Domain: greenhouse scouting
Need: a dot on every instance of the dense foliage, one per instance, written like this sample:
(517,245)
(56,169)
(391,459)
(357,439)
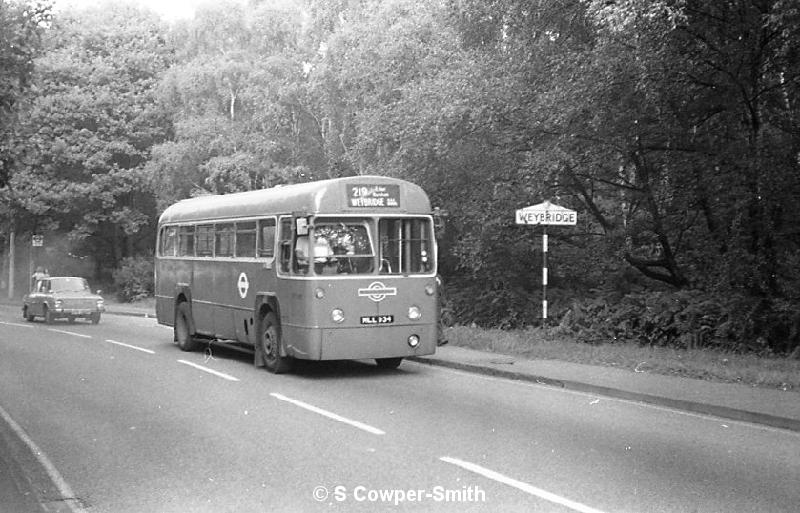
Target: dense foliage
(133,279)
(671,126)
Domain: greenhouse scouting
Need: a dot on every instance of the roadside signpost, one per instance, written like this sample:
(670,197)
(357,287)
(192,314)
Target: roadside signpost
(546,214)
(37,241)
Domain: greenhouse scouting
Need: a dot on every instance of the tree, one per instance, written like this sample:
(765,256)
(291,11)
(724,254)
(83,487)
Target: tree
(21,28)
(236,99)
(91,126)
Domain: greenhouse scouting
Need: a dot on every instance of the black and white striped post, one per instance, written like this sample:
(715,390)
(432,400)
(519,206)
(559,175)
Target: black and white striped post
(546,214)
(544,276)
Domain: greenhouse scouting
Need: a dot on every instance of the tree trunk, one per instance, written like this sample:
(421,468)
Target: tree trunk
(11,257)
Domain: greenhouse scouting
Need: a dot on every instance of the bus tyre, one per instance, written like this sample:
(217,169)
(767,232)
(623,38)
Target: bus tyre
(48,316)
(270,345)
(95,318)
(388,363)
(183,335)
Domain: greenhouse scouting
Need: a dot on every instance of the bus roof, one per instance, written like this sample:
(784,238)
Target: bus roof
(368,194)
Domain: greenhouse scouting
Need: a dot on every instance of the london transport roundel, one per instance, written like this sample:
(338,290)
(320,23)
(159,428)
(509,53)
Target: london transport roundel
(243,285)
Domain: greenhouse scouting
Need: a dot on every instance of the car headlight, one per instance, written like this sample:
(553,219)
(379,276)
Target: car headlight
(414,313)
(57,304)
(100,304)
(337,314)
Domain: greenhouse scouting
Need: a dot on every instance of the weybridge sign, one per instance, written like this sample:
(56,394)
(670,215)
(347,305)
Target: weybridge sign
(547,214)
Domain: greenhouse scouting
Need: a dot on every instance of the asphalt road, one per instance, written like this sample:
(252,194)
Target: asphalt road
(132,424)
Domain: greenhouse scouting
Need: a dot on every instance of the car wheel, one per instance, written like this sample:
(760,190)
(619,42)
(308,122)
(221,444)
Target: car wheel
(28,317)
(95,318)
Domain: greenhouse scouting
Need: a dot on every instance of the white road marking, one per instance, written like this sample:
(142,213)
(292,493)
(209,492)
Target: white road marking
(16,324)
(70,333)
(525,487)
(330,415)
(65,491)
(210,371)
(123,344)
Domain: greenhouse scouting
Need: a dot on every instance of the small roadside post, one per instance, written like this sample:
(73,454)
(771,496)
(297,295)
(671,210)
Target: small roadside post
(546,214)
(37,241)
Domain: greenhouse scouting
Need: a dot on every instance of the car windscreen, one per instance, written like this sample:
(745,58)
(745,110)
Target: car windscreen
(68,285)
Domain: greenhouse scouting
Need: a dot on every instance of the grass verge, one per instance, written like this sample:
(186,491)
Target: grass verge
(707,364)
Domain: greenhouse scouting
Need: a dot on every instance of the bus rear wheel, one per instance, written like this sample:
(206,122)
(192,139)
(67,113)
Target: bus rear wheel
(183,335)
(388,363)
(270,341)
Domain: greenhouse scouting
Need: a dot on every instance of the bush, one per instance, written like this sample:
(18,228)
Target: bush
(688,319)
(133,279)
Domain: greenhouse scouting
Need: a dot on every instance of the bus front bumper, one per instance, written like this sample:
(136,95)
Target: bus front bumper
(348,343)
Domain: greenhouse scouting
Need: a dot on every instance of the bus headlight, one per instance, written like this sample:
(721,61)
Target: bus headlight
(319,293)
(414,313)
(337,314)
(430,289)
(57,305)
(413,340)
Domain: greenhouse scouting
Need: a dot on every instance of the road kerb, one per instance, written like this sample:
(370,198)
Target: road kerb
(578,386)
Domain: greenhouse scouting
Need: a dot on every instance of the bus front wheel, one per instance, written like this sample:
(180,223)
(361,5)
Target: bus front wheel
(388,363)
(183,335)
(270,341)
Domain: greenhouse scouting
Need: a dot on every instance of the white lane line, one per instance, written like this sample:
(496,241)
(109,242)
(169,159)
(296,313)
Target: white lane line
(70,333)
(330,415)
(210,371)
(16,324)
(64,490)
(525,487)
(123,344)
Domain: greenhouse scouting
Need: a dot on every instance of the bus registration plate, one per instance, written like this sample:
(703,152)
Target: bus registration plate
(377,319)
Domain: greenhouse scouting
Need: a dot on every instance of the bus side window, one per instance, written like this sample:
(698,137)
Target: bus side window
(285,243)
(223,240)
(186,241)
(168,236)
(246,239)
(204,240)
(266,240)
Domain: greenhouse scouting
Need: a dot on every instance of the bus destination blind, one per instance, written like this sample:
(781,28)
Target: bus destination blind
(373,196)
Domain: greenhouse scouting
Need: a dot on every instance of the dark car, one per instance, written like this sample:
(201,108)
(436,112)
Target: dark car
(62,297)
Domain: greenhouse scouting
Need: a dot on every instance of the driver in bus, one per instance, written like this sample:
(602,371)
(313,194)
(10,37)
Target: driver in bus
(323,253)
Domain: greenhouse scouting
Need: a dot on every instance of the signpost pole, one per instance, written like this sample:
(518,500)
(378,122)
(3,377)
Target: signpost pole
(544,276)
(544,214)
